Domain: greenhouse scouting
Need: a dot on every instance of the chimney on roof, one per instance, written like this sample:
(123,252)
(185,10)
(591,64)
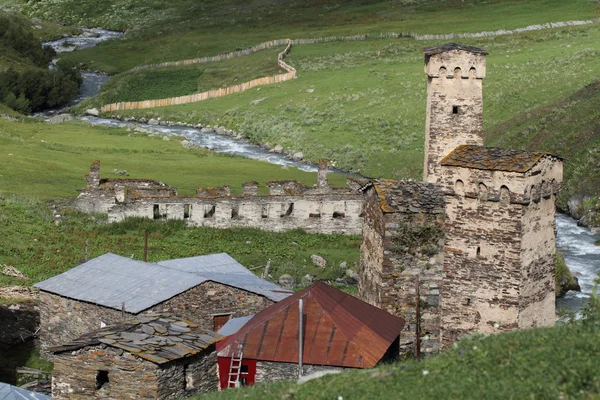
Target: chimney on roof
(322,181)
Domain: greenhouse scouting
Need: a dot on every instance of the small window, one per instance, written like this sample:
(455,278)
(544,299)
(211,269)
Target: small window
(288,211)
(209,211)
(156,211)
(265,211)
(455,109)
(478,251)
(102,380)
(235,212)
(244,369)
(339,215)
(220,320)
(187,211)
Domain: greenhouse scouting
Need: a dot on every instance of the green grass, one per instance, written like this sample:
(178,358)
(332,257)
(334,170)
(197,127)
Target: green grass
(169,31)
(40,249)
(47,161)
(171,82)
(544,363)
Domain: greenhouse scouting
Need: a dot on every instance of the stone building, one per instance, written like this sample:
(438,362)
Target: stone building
(289,204)
(339,331)
(478,240)
(110,288)
(402,248)
(149,357)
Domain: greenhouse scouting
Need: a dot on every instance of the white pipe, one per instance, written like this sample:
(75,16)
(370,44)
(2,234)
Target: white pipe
(300,347)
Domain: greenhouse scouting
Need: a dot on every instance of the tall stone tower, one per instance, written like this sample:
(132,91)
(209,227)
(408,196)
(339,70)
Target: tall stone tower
(454,102)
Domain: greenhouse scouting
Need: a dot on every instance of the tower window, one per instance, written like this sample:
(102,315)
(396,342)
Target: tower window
(455,109)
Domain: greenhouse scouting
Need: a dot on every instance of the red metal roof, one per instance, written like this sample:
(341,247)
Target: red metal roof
(339,330)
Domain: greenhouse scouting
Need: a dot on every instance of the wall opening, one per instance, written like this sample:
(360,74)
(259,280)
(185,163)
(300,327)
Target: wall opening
(478,253)
(265,211)
(288,211)
(339,215)
(156,212)
(314,215)
(455,109)
(235,212)
(102,380)
(187,211)
(209,211)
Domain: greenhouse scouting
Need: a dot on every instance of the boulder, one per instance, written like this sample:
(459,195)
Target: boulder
(153,121)
(307,280)
(343,265)
(299,156)
(351,276)
(93,112)
(207,130)
(277,149)
(318,261)
(286,281)
(60,118)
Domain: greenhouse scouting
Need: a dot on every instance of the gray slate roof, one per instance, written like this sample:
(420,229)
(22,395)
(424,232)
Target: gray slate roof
(110,280)
(234,325)
(9,392)
(223,269)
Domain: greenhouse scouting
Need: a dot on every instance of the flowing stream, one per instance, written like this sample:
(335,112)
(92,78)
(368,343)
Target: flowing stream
(576,243)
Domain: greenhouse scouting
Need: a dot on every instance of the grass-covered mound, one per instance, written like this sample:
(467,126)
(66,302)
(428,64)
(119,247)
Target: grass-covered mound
(35,245)
(544,363)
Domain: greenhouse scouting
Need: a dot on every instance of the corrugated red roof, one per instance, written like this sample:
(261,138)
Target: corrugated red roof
(339,330)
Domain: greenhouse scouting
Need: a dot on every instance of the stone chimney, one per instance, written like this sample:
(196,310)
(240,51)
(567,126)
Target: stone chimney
(322,174)
(250,188)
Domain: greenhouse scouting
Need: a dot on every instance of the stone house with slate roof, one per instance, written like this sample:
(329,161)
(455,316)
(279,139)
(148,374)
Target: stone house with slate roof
(339,332)
(108,289)
(477,240)
(148,357)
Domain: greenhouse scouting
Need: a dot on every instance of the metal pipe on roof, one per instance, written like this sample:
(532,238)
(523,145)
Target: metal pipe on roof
(300,350)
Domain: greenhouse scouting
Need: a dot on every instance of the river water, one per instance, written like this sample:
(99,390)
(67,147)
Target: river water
(576,243)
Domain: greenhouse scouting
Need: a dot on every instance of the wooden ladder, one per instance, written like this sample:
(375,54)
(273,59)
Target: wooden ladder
(235,368)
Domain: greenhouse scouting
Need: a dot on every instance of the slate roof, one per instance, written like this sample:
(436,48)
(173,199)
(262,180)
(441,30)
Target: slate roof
(340,330)
(9,392)
(408,196)
(110,280)
(493,158)
(430,51)
(157,338)
(234,325)
(222,268)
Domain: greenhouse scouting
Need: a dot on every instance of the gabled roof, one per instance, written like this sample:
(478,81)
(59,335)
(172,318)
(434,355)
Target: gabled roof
(10,392)
(408,196)
(157,338)
(493,158)
(430,51)
(222,268)
(339,330)
(110,280)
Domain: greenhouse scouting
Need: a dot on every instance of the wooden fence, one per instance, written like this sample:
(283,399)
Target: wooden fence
(290,71)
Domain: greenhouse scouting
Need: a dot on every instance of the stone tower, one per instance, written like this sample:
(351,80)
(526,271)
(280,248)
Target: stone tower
(454,102)
(499,255)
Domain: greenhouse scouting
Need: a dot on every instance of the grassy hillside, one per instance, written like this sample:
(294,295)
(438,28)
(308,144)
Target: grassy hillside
(47,161)
(32,243)
(543,363)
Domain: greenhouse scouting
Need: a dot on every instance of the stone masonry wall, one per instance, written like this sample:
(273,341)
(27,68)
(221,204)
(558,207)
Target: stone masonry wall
(130,377)
(405,244)
(63,319)
(189,376)
(332,213)
(267,371)
(454,106)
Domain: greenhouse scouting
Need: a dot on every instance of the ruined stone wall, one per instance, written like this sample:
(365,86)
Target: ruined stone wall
(267,371)
(63,319)
(189,376)
(454,106)
(480,290)
(331,213)
(398,248)
(130,377)
(538,247)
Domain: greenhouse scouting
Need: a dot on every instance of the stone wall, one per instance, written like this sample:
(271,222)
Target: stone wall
(130,377)
(401,247)
(63,319)
(189,376)
(454,105)
(331,213)
(267,371)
